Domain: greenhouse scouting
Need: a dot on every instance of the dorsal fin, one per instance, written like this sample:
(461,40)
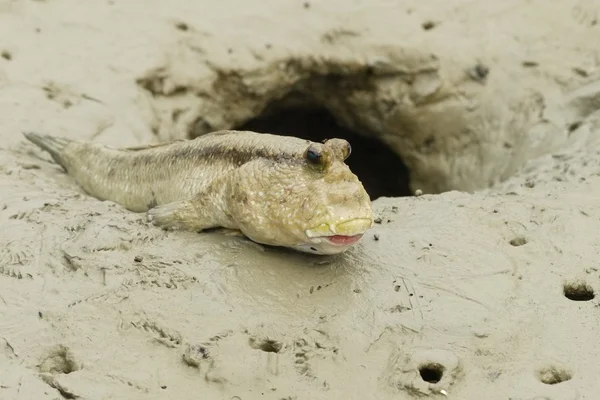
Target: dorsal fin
(152,145)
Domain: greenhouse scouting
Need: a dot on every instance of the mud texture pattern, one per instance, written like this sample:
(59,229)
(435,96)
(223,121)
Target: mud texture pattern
(486,286)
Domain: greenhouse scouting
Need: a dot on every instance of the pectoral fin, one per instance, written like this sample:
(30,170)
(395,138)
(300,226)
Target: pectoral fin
(169,216)
(204,210)
(195,214)
(182,215)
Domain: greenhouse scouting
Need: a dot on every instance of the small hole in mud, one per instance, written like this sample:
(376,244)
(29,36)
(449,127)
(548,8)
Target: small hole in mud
(552,375)
(578,291)
(518,241)
(428,25)
(182,26)
(574,126)
(270,346)
(59,360)
(266,345)
(431,372)
(382,172)
(479,72)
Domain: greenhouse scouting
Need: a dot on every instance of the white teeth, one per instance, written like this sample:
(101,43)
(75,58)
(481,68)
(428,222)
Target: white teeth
(332,229)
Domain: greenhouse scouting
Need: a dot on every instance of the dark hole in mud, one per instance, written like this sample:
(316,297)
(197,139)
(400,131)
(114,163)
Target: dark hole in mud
(431,372)
(518,241)
(270,346)
(552,375)
(428,25)
(578,291)
(382,172)
(59,360)
(266,345)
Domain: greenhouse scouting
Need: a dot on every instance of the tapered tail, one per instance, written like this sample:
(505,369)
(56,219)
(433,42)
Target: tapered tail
(51,144)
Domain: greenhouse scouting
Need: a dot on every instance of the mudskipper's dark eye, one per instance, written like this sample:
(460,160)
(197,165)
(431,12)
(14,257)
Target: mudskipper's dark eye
(313,156)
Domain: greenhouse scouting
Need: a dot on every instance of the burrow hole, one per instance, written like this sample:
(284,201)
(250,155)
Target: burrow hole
(518,241)
(578,291)
(382,172)
(431,372)
(552,375)
(266,345)
(59,360)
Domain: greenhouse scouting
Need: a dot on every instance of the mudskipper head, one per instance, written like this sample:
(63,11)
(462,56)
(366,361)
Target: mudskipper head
(334,210)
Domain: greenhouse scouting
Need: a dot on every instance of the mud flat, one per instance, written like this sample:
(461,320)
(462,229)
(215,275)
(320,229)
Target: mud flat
(486,286)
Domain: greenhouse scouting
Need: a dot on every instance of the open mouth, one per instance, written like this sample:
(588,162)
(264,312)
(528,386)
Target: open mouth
(342,240)
(342,234)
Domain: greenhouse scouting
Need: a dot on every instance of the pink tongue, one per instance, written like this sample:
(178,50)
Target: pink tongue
(341,239)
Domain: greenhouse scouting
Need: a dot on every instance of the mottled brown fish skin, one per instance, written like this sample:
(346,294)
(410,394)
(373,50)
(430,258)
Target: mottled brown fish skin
(264,185)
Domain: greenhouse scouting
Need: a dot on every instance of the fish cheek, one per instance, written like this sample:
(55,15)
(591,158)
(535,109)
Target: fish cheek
(250,201)
(314,210)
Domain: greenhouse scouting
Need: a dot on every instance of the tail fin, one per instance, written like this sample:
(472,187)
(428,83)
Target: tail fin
(51,144)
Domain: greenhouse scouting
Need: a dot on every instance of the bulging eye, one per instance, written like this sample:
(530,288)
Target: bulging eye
(347,150)
(313,155)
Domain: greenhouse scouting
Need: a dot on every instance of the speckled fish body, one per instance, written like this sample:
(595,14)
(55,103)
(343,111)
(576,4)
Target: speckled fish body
(277,190)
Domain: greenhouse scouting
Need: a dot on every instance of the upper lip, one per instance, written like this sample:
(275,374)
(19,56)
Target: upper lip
(326,230)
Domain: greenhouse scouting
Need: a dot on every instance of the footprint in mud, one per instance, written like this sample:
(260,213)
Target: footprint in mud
(160,334)
(17,252)
(219,358)
(265,356)
(313,346)
(196,355)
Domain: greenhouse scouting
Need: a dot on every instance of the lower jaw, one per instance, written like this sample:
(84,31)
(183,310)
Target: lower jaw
(341,240)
